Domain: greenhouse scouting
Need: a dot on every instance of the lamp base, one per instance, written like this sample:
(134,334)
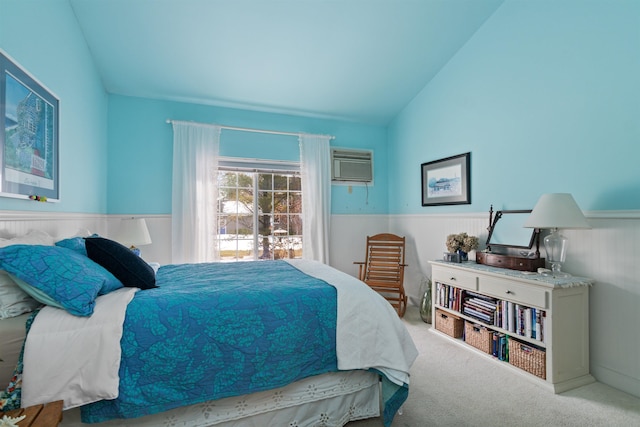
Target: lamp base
(555,271)
(555,244)
(559,275)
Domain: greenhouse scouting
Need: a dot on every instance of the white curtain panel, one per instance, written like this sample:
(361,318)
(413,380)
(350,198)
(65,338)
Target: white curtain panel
(195,191)
(315,170)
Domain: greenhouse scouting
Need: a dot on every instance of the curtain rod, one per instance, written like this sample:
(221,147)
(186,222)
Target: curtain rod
(243,129)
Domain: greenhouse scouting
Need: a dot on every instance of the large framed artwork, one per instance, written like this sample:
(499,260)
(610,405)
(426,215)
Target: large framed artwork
(447,181)
(29,138)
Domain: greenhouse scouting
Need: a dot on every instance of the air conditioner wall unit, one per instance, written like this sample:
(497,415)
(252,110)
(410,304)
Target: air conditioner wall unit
(351,165)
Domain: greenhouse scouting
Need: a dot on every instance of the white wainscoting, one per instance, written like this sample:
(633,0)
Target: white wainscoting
(60,225)
(348,239)
(348,232)
(426,236)
(608,253)
(160,231)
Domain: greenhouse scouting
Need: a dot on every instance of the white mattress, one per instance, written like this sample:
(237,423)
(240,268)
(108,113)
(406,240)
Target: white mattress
(12,333)
(329,400)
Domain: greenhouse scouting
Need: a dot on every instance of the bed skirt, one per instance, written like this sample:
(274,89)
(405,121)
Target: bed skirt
(328,400)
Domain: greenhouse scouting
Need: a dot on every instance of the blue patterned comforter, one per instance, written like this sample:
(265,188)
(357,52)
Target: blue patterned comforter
(203,334)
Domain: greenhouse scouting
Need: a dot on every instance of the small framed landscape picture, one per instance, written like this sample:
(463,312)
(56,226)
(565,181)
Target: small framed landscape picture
(29,137)
(447,181)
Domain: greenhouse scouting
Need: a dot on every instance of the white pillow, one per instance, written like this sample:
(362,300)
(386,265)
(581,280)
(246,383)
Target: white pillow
(13,300)
(35,237)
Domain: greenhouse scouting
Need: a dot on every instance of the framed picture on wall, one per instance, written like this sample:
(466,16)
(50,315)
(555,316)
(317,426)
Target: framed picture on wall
(447,181)
(29,138)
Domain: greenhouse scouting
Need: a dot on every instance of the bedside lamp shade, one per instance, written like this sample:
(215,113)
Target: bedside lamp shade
(134,232)
(554,211)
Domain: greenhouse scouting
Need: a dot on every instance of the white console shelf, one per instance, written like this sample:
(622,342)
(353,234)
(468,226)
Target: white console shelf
(565,302)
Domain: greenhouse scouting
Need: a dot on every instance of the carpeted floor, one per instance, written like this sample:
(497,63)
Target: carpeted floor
(451,386)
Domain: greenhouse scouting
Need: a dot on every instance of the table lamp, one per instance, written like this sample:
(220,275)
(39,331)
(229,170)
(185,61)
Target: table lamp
(134,232)
(554,211)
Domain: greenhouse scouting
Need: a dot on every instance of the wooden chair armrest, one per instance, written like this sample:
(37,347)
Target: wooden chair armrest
(360,265)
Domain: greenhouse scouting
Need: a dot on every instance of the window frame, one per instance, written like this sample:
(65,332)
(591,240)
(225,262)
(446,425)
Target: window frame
(256,167)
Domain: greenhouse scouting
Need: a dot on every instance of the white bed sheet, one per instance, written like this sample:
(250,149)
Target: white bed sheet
(75,359)
(375,336)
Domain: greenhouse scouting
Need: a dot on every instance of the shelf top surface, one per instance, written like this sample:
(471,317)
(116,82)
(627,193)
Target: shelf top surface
(550,281)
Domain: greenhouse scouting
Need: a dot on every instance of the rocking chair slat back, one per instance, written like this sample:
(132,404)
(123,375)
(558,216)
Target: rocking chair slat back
(383,269)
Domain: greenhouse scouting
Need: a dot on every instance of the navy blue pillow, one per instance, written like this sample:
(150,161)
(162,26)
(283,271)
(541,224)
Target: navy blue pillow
(128,267)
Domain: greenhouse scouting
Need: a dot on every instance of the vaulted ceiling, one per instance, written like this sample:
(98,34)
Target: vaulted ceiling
(361,60)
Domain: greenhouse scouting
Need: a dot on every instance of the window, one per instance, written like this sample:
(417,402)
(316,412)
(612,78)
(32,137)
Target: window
(259,214)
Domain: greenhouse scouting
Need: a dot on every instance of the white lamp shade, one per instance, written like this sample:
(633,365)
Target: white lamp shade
(556,210)
(134,232)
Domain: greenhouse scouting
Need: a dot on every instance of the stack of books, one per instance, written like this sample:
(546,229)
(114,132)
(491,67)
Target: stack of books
(480,307)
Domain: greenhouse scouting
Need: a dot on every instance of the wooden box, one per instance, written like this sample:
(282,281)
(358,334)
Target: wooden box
(510,262)
(448,323)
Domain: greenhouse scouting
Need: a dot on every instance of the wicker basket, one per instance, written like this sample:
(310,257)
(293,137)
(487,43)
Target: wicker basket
(528,358)
(449,323)
(478,336)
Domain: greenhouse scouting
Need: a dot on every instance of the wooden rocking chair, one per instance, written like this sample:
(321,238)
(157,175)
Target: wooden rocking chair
(383,269)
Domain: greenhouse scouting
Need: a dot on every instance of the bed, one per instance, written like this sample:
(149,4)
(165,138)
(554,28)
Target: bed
(260,343)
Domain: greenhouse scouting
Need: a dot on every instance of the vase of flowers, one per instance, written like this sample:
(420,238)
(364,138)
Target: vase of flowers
(461,244)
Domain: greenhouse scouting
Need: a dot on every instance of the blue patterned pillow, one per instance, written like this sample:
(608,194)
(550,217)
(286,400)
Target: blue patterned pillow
(73,243)
(61,275)
(77,244)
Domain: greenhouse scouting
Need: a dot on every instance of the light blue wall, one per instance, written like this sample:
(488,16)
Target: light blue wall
(115,151)
(546,96)
(140,151)
(44,38)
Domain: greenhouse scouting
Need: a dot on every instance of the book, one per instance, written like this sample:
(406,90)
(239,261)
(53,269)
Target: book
(528,330)
(511,317)
(502,347)
(480,307)
(469,311)
(481,296)
(534,314)
(481,301)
